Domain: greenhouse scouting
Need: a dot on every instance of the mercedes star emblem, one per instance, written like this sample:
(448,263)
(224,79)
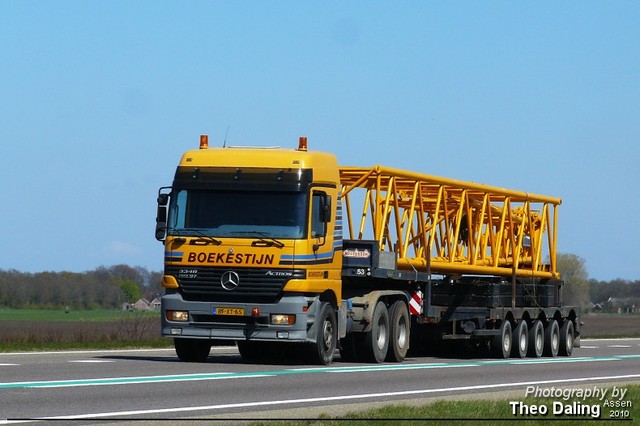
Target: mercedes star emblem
(229,280)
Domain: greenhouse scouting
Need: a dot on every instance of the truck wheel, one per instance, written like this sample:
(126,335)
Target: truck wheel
(326,335)
(192,350)
(400,326)
(566,338)
(376,340)
(551,339)
(536,339)
(502,342)
(520,340)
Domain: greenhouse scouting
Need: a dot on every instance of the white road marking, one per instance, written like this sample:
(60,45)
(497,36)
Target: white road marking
(619,346)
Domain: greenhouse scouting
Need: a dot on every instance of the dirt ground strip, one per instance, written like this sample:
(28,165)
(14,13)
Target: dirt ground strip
(610,325)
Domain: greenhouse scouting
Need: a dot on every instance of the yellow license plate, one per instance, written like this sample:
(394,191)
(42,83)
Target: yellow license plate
(228,311)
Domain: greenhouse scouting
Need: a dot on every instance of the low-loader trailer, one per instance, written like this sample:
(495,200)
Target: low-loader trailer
(276,248)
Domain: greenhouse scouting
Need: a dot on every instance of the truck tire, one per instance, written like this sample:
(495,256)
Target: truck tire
(400,329)
(536,339)
(192,350)
(551,338)
(566,338)
(503,341)
(520,340)
(326,335)
(376,340)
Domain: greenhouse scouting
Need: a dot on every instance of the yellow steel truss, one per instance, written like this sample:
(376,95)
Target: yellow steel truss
(448,226)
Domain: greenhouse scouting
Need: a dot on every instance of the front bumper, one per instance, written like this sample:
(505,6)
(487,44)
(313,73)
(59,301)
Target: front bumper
(204,325)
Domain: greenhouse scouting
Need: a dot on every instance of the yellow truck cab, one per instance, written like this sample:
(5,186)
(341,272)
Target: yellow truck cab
(252,242)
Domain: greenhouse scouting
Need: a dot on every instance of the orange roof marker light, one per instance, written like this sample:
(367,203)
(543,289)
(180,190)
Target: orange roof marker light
(302,145)
(204,142)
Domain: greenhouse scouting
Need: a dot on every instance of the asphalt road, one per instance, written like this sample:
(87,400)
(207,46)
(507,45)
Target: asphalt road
(153,384)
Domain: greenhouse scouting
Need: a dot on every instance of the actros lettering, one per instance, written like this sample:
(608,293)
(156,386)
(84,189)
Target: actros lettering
(231,258)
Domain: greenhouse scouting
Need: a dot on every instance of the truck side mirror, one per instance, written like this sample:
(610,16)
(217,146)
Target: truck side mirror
(161,223)
(161,215)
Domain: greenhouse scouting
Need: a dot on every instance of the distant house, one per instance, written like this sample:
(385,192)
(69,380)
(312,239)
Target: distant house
(141,305)
(155,304)
(625,305)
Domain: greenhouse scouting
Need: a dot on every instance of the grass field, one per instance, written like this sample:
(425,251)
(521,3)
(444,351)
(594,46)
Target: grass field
(71,315)
(38,329)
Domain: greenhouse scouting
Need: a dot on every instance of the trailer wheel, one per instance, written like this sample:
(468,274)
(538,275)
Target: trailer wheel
(376,340)
(502,342)
(566,338)
(326,335)
(536,339)
(400,326)
(192,350)
(520,340)
(551,339)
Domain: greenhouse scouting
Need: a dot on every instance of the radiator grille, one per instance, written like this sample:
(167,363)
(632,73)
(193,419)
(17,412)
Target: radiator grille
(255,285)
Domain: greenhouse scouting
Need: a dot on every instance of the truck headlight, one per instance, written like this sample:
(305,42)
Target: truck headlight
(182,316)
(281,319)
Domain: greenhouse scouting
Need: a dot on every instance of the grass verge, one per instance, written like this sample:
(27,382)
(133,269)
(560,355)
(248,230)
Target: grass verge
(496,412)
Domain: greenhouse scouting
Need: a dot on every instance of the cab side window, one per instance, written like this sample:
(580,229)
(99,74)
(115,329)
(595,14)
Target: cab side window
(320,212)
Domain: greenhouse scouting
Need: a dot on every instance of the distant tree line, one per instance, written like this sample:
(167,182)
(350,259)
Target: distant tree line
(601,291)
(104,287)
(615,296)
(110,287)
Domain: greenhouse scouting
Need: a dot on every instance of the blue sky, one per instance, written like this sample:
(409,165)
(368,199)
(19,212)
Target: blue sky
(100,98)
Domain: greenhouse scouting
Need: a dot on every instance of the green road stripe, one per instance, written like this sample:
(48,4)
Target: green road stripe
(355,369)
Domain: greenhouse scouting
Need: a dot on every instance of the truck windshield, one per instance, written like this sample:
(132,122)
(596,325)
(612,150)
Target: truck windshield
(238,214)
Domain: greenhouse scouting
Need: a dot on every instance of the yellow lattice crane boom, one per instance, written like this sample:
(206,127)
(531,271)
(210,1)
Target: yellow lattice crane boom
(447,226)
